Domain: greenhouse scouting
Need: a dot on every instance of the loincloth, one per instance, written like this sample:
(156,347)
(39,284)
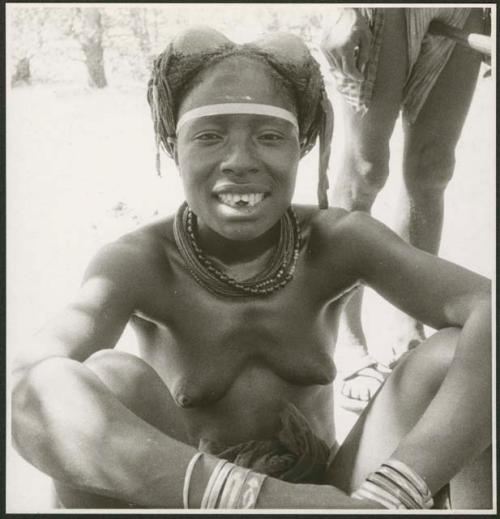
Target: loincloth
(427,56)
(297,455)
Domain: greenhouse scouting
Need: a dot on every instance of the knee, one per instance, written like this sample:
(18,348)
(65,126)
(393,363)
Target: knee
(32,397)
(126,375)
(367,171)
(439,350)
(108,364)
(429,167)
(36,389)
(428,364)
(138,387)
(373,170)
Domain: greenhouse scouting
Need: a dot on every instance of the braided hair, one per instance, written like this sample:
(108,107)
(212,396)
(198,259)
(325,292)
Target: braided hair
(177,68)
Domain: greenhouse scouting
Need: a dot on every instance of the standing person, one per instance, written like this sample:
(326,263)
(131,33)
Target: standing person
(235,300)
(384,61)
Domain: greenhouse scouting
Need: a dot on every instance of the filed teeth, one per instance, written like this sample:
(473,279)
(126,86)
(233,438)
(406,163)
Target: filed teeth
(237,200)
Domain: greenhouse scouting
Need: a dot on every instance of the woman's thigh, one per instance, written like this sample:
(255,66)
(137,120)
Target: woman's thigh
(137,386)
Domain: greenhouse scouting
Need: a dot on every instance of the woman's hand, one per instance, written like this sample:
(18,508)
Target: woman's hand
(346,43)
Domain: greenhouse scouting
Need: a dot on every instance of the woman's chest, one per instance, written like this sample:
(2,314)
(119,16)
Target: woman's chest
(202,344)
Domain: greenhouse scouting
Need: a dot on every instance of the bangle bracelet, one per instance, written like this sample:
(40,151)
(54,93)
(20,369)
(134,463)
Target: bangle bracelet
(250,490)
(402,483)
(219,481)
(390,486)
(187,479)
(233,487)
(211,482)
(412,477)
(368,490)
(397,486)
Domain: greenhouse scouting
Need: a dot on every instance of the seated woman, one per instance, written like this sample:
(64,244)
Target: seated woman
(235,301)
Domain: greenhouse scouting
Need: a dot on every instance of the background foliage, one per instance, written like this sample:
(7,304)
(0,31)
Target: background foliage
(114,44)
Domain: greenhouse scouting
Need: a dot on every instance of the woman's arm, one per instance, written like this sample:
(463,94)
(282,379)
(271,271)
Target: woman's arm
(65,421)
(457,424)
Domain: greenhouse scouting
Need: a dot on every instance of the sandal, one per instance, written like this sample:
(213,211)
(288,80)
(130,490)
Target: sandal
(364,367)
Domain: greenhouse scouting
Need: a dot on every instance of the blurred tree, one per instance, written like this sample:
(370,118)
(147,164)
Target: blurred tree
(116,43)
(88,30)
(28,24)
(22,72)
(141,29)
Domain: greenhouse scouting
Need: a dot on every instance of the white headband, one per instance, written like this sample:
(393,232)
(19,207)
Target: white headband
(237,108)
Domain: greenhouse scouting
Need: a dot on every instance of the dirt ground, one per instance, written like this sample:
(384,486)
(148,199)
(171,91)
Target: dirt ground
(80,171)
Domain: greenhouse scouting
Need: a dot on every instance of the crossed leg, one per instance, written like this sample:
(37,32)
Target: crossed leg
(392,414)
(395,410)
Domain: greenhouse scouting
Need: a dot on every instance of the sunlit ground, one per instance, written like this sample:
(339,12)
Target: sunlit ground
(81,172)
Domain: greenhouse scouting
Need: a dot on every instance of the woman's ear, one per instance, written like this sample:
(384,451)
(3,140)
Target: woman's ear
(172,142)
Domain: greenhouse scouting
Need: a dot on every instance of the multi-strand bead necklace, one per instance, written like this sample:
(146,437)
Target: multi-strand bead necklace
(275,276)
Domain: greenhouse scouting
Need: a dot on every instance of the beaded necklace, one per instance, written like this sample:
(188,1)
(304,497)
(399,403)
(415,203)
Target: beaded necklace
(275,276)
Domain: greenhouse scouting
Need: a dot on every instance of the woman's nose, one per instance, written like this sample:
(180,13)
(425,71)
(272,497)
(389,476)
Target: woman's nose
(240,158)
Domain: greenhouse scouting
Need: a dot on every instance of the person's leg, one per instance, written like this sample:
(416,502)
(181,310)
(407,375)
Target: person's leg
(364,167)
(140,389)
(429,159)
(392,414)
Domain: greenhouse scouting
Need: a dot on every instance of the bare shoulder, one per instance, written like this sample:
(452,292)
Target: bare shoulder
(135,254)
(336,224)
(352,241)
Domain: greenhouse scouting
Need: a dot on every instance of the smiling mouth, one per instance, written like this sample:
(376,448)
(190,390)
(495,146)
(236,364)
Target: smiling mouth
(241,200)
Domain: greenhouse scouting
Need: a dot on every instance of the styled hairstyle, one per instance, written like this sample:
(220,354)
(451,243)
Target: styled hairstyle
(291,65)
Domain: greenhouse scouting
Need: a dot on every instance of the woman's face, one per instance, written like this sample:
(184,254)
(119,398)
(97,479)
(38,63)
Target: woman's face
(238,170)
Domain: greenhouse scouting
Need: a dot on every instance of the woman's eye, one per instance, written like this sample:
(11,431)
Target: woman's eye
(208,137)
(271,137)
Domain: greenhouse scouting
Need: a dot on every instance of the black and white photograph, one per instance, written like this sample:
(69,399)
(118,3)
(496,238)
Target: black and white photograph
(250,254)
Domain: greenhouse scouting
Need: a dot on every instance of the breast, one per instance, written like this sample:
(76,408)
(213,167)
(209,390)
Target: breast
(200,367)
(231,383)
(250,408)
(204,376)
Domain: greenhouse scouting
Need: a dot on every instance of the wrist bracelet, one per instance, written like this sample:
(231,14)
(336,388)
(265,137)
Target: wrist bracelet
(394,489)
(396,486)
(211,483)
(412,477)
(229,486)
(368,490)
(233,487)
(187,479)
(218,485)
(250,490)
(241,489)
